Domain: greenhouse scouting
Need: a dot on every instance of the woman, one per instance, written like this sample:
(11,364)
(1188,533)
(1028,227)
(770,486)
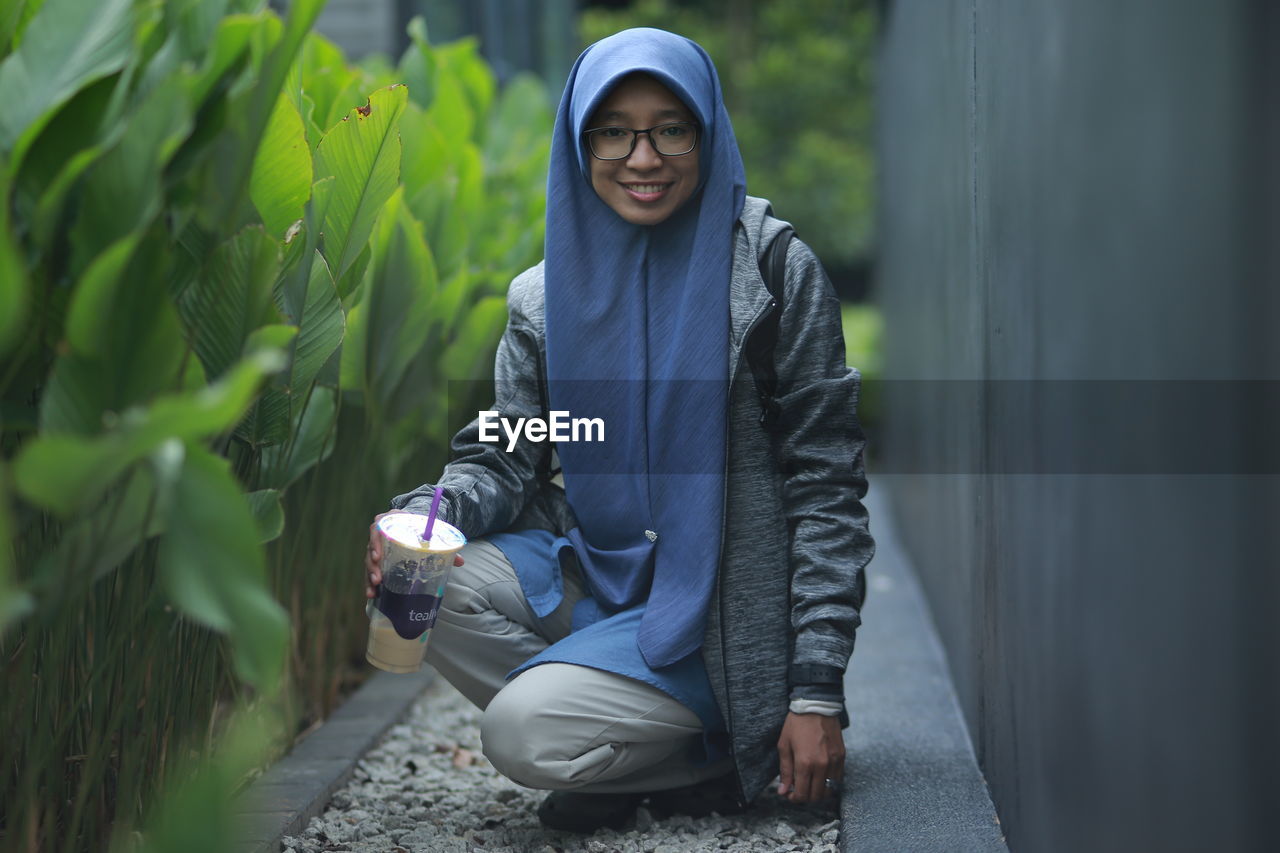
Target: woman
(674,622)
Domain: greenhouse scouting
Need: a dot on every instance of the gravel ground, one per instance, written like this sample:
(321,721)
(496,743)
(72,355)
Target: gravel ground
(426,787)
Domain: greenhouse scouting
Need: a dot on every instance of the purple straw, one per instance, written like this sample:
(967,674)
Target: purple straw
(431,518)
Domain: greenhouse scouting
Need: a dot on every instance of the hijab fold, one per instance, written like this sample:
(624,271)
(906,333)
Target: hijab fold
(637,334)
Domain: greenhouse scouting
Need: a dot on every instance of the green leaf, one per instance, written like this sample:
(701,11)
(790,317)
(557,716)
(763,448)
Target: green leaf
(311,441)
(323,74)
(453,237)
(198,812)
(98,541)
(401,287)
(519,121)
(251,119)
(230,42)
(49,208)
(321,326)
(466,357)
(13,277)
(351,370)
(89,316)
(425,163)
(231,298)
(122,191)
(136,345)
(267,512)
(472,73)
(69,44)
(270,337)
(363,153)
(418,64)
(211,564)
(281,181)
(450,111)
(63,473)
(268,420)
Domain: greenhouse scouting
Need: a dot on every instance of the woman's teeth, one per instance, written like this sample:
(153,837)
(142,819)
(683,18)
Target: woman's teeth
(646,188)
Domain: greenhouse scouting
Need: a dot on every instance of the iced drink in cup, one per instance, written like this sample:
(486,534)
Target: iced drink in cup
(414,574)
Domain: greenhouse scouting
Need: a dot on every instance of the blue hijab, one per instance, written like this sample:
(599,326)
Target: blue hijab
(637,334)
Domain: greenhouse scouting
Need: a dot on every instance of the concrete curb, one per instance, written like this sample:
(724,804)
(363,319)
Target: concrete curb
(912,782)
(297,788)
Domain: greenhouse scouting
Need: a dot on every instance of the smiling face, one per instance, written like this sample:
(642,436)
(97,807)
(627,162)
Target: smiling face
(645,188)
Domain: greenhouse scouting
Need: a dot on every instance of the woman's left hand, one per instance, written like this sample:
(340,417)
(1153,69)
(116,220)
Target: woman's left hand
(810,751)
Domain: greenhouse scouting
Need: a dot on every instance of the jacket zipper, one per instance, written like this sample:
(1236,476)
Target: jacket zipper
(724,525)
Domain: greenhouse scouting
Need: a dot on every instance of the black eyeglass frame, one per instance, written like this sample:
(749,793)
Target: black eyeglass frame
(635,137)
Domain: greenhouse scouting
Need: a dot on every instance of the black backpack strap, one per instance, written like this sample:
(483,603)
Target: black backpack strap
(763,339)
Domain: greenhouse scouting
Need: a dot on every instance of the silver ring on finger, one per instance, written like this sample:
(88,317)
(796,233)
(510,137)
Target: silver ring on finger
(832,783)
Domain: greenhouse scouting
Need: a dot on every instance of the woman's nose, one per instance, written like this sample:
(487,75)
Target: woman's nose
(644,155)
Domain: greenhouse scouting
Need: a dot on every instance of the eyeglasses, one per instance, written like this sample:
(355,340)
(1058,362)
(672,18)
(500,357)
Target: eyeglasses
(616,143)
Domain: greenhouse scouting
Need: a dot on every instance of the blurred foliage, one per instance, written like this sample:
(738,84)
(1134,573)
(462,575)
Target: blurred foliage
(863,327)
(236,273)
(797,83)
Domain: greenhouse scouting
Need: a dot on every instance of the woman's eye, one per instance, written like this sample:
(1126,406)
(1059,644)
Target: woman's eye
(612,132)
(675,130)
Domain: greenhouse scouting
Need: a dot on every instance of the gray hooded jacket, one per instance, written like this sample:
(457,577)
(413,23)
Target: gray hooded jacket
(796,537)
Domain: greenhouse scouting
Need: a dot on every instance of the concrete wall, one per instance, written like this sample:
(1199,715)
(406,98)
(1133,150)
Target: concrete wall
(1078,263)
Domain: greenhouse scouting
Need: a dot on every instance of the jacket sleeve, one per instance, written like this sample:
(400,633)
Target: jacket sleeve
(819,451)
(485,486)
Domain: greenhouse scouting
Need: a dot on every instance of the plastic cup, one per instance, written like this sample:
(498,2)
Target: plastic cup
(414,574)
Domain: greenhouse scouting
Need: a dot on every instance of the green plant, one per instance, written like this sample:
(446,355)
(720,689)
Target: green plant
(236,273)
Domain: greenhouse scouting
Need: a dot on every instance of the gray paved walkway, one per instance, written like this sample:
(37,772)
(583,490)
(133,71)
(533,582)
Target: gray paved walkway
(913,783)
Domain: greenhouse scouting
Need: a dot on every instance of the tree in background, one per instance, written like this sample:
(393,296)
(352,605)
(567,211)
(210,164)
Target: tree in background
(797,81)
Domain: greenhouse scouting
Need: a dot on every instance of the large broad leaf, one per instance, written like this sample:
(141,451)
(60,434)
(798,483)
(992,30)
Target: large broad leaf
(63,473)
(425,163)
(268,515)
(363,153)
(231,298)
(452,237)
(281,179)
(418,65)
(212,567)
(323,75)
(69,44)
(229,44)
(122,191)
(98,541)
(401,287)
(471,73)
(321,325)
(268,419)
(451,111)
(466,357)
(519,121)
(351,370)
(13,278)
(126,339)
(89,317)
(311,441)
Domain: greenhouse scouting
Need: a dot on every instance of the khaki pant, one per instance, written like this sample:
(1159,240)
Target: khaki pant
(555,725)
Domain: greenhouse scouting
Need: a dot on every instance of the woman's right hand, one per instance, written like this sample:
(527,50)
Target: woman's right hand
(373,559)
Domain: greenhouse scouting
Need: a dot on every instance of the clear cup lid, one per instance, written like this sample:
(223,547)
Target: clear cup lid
(405,528)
